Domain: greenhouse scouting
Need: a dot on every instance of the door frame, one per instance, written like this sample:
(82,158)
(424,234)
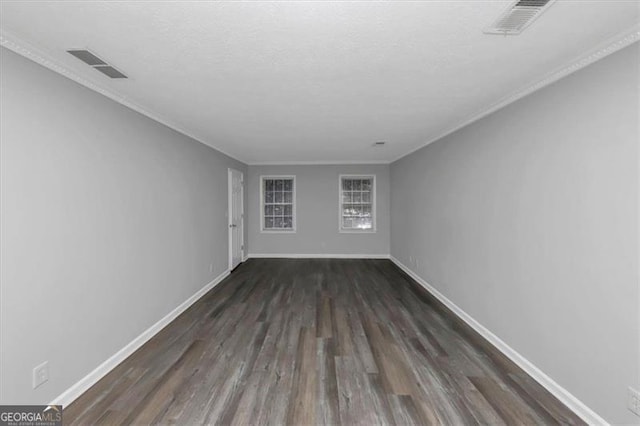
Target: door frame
(229,215)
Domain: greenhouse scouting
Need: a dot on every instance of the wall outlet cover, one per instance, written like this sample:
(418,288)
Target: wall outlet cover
(40,374)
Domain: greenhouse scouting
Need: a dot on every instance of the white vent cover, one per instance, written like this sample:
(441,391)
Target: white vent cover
(96,63)
(518,17)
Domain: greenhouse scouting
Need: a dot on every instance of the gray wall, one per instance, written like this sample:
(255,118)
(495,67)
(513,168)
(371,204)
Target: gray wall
(528,221)
(317,212)
(109,221)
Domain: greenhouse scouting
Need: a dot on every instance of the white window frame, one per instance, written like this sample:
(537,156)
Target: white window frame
(293,199)
(374,200)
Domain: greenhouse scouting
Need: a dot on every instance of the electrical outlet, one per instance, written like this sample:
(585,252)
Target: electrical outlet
(40,374)
(410,260)
(633,401)
(210,267)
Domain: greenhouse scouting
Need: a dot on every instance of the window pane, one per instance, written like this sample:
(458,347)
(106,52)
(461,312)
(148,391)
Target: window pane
(357,203)
(278,203)
(362,223)
(268,197)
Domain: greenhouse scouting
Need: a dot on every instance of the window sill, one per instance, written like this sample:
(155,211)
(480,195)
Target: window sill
(357,231)
(273,231)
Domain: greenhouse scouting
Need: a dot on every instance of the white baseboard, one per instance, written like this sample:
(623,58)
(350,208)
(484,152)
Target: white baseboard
(554,388)
(573,403)
(317,256)
(70,395)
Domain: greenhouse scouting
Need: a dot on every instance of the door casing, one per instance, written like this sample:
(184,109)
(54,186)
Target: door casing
(230,216)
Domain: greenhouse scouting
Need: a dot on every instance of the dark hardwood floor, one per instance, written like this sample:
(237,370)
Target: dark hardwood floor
(317,342)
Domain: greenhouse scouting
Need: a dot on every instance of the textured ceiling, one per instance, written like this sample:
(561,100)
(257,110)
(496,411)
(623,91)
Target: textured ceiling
(313,81)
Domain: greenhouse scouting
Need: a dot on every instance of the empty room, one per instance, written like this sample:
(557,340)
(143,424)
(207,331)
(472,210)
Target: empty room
(320,212)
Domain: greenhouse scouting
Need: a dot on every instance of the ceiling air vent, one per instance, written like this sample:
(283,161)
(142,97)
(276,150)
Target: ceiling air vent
(518,17)
(87,57)
(96,63)
(110,71)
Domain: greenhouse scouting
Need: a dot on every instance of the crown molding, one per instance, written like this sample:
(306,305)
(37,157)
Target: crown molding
(27,50)
(317,163)
(612,45)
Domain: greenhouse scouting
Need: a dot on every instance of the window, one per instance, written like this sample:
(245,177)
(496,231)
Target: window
(357,203)
(278,204)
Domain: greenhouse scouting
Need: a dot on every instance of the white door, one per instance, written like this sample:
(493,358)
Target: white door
(236,195)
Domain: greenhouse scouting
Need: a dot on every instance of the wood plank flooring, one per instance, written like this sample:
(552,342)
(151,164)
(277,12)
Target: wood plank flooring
(311,341)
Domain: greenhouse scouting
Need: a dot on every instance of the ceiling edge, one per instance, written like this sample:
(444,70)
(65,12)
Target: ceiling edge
(612,45)
(316,163)
(22,48)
